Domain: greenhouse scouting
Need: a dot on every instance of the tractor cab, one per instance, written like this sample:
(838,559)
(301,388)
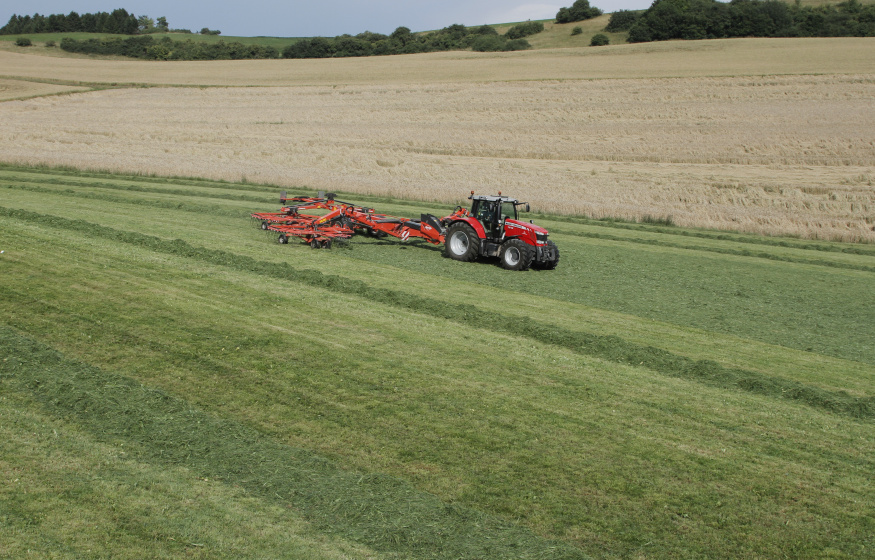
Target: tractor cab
(493,211)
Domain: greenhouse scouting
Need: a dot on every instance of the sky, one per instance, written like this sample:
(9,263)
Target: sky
(328,18)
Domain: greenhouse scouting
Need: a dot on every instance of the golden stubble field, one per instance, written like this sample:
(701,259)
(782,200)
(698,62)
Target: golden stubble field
(681,130)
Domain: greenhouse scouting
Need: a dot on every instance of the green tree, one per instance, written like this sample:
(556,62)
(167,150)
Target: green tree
(578,11)
(145,24)
(622,20)
(402,35)
(599,40)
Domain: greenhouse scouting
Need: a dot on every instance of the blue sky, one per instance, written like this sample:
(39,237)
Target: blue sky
(295,18)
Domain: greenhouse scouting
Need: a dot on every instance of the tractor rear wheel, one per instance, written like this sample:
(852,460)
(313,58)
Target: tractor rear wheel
(516,255)
(462,243)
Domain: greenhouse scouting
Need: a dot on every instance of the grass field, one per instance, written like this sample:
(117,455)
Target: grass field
(174,380)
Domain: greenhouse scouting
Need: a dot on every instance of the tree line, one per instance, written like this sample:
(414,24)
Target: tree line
(404,41)
(119,22)
(401,41)
(711,19)
(146,47)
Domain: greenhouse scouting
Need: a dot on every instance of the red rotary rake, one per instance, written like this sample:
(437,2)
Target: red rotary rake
(490,229)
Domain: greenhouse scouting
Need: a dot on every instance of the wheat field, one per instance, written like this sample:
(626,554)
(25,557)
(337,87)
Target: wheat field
(21,89)
(783,153)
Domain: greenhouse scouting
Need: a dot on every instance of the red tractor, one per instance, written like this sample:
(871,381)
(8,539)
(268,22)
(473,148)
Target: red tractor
(492,229)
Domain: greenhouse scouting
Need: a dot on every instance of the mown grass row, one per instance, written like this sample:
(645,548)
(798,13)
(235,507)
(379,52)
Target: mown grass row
(37,172)
(211,209)
(719,250)
(69,496)
(384,513)
(172,192)
(215,210)
(813,309)
(831,247)
(112,180)
(618,460)
(612,348)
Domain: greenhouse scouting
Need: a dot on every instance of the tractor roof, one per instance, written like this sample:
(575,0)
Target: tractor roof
(492,198)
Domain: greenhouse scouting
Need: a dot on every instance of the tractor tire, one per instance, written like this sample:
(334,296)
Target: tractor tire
(462,243)
(282,240)
(264,225)
(516,255)
(550,264)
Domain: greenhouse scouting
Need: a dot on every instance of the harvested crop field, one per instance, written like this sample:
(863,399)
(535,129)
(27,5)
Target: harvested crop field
(777,155)
(20,89)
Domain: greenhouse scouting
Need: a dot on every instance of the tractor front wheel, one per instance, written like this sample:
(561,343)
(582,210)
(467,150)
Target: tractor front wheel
(551,263)
(516,255)
(462,243)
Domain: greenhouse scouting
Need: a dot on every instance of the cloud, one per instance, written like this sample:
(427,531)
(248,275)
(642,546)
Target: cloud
(525,12)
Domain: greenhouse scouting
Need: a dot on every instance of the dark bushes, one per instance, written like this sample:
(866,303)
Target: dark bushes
(710,19)
(622,20)
(166,49)
(524,29)
(578,11)
(403,41)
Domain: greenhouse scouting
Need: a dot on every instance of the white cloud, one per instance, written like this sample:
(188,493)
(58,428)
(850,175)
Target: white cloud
(525,12)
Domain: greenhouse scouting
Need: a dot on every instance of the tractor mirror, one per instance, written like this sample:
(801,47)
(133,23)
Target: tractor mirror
(528,209)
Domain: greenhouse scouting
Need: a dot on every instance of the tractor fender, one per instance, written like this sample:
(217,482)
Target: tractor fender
(474,223)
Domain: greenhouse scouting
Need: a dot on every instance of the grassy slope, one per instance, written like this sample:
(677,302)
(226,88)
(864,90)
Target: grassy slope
(611,457)
(558,35)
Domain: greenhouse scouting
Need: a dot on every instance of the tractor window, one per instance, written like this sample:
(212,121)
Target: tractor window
(508,210)
(484,213)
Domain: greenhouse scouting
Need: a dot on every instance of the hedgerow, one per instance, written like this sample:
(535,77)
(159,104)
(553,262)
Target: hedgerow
(404,41)
(147,47)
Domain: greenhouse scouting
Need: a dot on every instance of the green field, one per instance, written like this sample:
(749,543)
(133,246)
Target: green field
(173,380)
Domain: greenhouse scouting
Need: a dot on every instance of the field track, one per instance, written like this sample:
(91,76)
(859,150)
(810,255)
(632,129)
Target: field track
(378,400)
